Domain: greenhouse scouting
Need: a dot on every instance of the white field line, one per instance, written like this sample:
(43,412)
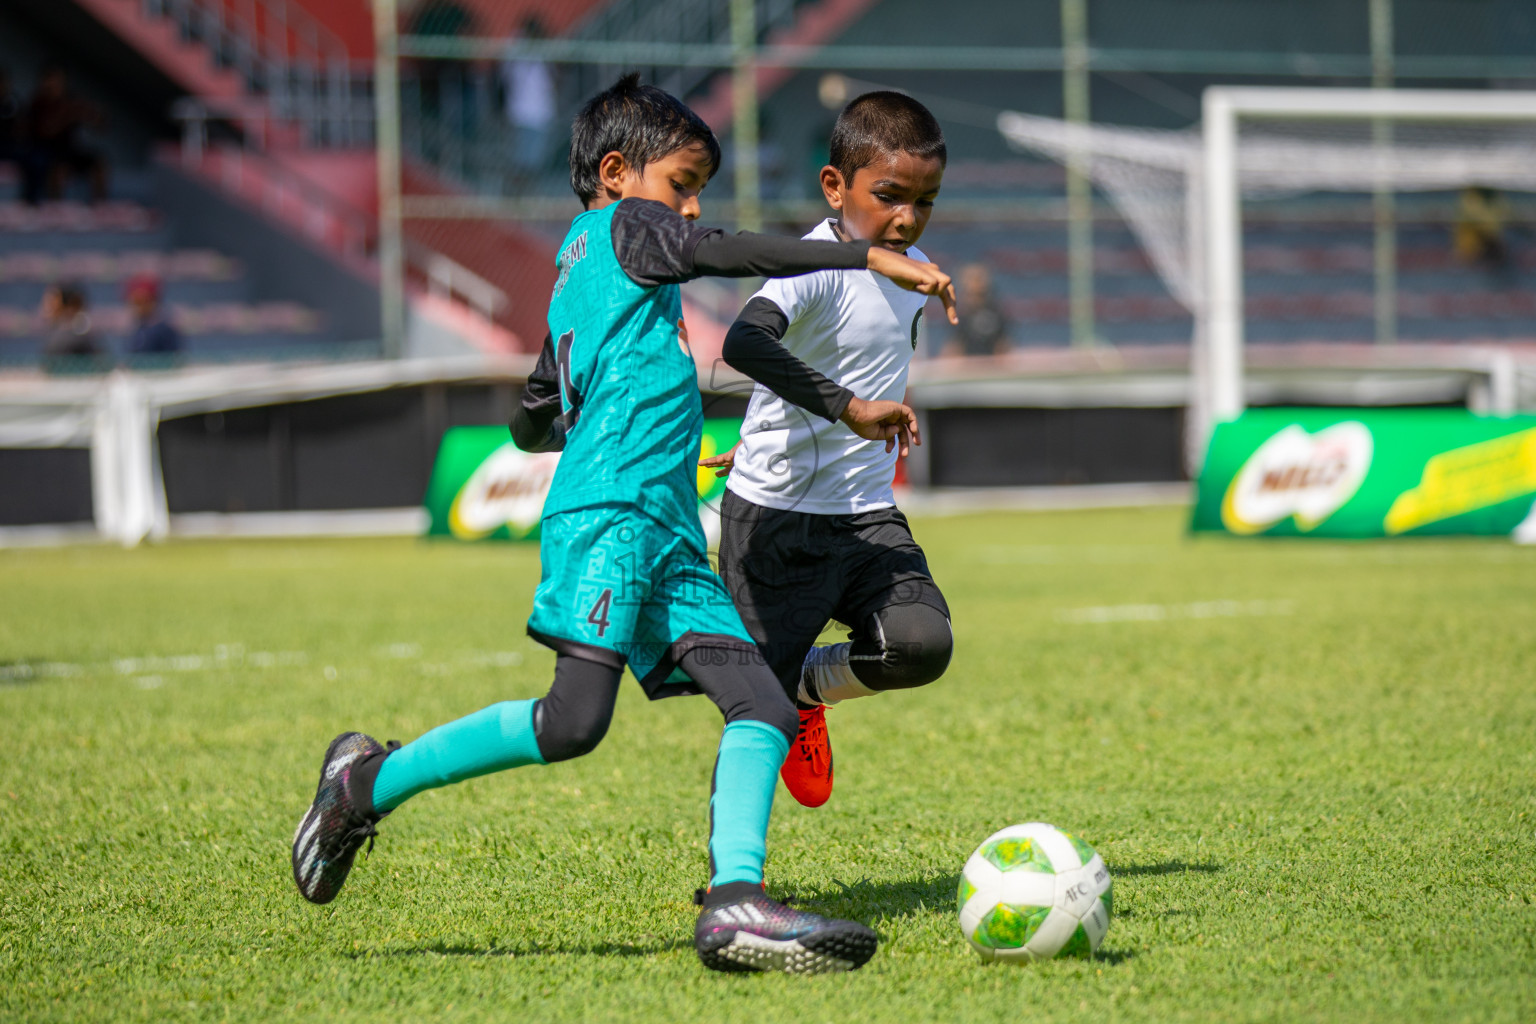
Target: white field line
(949,501)
(1100,614)
(25,672)
(1073,554)
(378,522)
(148,671)
(224,656)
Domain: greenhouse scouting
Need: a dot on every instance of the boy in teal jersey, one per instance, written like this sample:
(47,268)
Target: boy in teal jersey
(626,579)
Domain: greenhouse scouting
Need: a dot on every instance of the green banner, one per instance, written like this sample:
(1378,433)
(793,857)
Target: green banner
(1365,473)
(484,487)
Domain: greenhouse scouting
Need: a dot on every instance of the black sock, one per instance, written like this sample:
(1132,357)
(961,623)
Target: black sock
(360,783)
(730,892)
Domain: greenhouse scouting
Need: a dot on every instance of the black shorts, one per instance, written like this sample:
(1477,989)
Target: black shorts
(790,572)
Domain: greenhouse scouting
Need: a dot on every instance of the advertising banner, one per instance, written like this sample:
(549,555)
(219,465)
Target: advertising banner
(484,487)
(1369,473)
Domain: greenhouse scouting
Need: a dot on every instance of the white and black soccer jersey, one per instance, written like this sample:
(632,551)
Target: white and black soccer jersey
(856,328)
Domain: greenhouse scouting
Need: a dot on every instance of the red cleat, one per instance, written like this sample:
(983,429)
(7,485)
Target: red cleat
(807,771)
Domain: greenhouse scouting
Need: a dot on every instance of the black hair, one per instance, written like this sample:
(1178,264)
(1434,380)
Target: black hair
(881,123)
(639,121)
(71,295)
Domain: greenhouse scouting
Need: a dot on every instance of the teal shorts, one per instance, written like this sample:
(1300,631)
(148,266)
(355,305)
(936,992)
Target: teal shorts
(620,588)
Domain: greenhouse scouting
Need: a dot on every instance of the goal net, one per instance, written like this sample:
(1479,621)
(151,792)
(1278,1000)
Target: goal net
(1418,182)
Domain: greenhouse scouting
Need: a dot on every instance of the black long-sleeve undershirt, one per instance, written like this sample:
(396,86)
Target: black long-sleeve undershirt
(655,245)
(755,346)
(536,425)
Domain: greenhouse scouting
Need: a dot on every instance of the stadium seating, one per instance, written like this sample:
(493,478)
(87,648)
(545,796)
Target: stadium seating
(1305,281)
(100,248)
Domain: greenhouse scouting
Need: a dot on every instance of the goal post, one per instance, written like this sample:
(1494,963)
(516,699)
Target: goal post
(1218,392)
(1181,193)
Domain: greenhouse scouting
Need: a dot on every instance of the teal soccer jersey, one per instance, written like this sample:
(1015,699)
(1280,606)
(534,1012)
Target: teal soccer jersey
(625,564)
(629,390)
(626,576)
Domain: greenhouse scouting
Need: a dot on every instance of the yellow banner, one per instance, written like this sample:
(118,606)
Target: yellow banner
(1466,479)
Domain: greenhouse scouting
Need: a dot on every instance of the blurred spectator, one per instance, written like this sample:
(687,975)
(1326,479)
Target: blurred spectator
(14,148)
(983,329)
(11,151)
(439,18)
(529,86)
(1480,230)
(444,89)
(70,343)
(10,119)
(153,332)
(56,118)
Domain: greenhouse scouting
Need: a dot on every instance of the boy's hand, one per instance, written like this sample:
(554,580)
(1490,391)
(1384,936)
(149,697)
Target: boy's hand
(914,276)
(723,463)
(890,422)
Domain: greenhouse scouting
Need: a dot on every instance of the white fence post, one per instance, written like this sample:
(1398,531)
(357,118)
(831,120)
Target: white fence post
(127,491)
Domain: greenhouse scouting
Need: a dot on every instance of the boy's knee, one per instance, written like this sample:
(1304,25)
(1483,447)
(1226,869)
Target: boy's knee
(917,647)
(569,733)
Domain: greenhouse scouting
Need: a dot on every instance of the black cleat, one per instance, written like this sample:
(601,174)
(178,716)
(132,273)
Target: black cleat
(756,933)
(334,827)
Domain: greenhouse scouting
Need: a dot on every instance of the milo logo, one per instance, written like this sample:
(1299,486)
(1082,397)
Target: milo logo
(507,489)
(1294,473)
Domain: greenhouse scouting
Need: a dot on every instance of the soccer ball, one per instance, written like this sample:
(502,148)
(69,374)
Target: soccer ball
(1031,892)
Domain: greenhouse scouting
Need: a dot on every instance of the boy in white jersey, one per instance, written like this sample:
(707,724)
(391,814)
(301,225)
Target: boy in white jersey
(810,528)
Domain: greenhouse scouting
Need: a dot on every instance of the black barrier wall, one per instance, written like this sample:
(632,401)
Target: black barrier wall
(375,450)
(372,450)
(45,485)
(1016,447)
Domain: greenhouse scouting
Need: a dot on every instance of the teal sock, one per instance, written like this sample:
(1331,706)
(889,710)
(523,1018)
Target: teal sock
(490,740)
(746,771)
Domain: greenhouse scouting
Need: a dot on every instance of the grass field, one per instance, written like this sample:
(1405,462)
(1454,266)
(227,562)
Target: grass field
(1311,768)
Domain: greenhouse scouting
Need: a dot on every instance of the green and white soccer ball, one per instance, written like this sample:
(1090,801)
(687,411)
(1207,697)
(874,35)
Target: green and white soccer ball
(1032,892)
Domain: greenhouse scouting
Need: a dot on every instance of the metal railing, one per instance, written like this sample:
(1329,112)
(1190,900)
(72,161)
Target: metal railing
(245,171)
(449,279)
(301,69)
(253,36)
(684,23)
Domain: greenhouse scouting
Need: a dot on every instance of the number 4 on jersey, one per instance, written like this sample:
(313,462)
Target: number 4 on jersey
(598,616)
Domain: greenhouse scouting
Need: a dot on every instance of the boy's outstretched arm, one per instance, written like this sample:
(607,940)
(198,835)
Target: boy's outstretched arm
(536,425)
(656,245)
(754,346)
